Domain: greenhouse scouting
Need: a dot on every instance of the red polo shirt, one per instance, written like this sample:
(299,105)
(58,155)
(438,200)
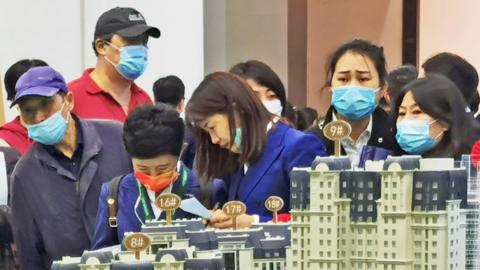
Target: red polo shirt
(16,135)
(93,102)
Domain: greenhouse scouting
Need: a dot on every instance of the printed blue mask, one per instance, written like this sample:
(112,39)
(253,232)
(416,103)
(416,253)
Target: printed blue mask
(51,130)
(133,61)
(237,141)
(413,136)
(354,102)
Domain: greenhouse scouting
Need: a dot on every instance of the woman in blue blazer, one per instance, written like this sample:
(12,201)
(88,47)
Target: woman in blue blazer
(153,136)
(242,143)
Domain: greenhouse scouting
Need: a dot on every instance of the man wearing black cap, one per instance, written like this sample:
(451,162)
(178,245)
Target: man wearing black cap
(120,44)
(56,184)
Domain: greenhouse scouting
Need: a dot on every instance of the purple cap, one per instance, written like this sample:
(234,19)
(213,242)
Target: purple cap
(39,81)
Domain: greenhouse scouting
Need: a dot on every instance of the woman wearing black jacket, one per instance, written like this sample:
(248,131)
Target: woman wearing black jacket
(356,76)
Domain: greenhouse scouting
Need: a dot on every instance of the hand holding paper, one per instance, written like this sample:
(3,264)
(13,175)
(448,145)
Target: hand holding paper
(193,206)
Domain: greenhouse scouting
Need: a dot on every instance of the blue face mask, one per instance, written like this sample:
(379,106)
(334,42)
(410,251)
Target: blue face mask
(50,131)
(413,136)
(237,141)
(354,102)
(273,106)
(133,61)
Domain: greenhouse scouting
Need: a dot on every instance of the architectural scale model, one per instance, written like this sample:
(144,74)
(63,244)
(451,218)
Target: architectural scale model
(405,213)
(186,245)
(473,216)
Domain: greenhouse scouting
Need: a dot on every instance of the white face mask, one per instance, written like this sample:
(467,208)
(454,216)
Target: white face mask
(273,106)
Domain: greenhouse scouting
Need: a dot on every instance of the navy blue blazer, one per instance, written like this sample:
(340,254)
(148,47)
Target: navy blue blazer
(130,214)
(286,148)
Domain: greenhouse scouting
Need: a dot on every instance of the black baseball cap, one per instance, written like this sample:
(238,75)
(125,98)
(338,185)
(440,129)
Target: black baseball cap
(124,21)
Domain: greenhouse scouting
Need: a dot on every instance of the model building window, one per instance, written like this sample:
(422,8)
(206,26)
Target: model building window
(370,184)
(394,184)
(435,184)
(360,184)
(386,196)
(394,232)
(434,197)
(418,184)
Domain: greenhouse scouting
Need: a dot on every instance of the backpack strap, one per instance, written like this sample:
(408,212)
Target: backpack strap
(112,201)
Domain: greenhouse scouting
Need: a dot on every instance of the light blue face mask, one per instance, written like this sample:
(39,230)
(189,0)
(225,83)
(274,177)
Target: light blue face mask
(354,102)
(273,106)
(133,61)
(237,141)
(50,131)
(413,136)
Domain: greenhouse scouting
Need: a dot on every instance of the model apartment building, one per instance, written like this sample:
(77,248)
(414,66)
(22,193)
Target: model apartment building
(404,213)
